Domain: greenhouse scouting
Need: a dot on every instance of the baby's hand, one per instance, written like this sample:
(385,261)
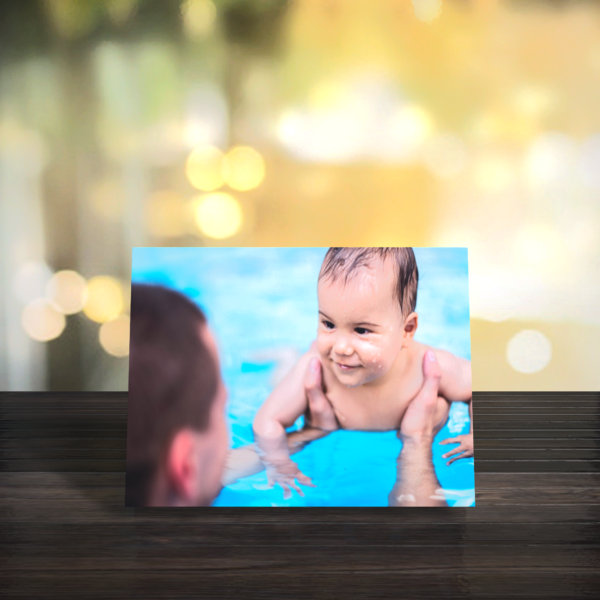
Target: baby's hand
(464,450)
(286,473)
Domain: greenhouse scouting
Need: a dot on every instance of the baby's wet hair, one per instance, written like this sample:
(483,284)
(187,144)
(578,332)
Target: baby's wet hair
(344,263)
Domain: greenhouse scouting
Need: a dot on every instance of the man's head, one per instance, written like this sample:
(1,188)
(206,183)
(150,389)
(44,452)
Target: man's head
(176,433)
(367,298)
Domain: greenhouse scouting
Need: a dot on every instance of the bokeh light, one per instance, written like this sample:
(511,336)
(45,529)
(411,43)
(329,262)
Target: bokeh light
(409,127)
(589,164)
(41,321)
(529,351)
(445,155)
(31,280)
(165,215)
(67,292)
(534,100)
(427,10)
(218,215)
(114,336)
(199,17)
(551,158)
(540,248)
(104,299)
(494,173)
(204,168)
(243,168)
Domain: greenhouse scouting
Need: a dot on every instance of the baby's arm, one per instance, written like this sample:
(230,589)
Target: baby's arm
(456,386)
(281,409)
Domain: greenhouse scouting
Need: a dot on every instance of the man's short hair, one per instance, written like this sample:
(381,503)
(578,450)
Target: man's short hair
(344,263)
(173,380)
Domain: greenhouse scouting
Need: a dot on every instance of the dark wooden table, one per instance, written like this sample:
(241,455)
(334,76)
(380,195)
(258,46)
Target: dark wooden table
(64,532)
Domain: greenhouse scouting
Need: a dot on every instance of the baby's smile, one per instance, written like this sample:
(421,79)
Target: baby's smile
(345,367)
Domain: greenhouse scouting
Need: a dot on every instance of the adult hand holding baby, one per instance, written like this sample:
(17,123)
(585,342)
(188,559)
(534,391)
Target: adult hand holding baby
(416,482)
(320,412)
(419,419)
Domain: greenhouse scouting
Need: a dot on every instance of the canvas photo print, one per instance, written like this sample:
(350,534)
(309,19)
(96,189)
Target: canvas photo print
(300,377)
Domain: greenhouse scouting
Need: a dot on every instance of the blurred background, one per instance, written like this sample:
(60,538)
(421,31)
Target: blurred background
(130,123)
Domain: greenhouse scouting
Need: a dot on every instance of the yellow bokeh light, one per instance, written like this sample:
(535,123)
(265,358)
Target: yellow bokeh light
(199,17)
(165,214)
(105,299)
(327,95)
(67,291)
(204,168)
(41,321)
(412,124)
(114,336)
(427,10)
(494,174)
(218,215)
(243,168)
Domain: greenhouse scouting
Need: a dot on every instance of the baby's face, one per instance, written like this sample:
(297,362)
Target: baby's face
(361,329)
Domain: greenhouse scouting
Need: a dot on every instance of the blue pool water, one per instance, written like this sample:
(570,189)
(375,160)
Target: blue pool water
(262,306)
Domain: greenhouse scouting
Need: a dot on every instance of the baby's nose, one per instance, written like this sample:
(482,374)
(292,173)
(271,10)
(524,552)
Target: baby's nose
(343,348)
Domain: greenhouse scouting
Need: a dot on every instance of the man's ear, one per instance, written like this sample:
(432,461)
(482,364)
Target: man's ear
(182,467)
(410,327)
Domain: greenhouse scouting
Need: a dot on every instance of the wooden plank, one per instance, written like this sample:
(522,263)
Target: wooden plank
(536,408)
(552,454)
(263,584)
(531,434)
(119,443)
(159,554)
(322,534)
(539,443)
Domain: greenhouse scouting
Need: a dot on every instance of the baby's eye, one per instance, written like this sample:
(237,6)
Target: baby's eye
(361,330)
(328,324)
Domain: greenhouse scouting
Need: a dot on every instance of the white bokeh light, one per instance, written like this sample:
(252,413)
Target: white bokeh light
(31,280)
(589,162)
(550,159)
(41,321)
(363,117)
(529,351)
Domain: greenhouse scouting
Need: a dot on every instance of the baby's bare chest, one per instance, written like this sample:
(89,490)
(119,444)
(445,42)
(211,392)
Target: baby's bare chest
(364,410)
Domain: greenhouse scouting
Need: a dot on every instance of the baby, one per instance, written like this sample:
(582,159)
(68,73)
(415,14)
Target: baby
(371,364)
